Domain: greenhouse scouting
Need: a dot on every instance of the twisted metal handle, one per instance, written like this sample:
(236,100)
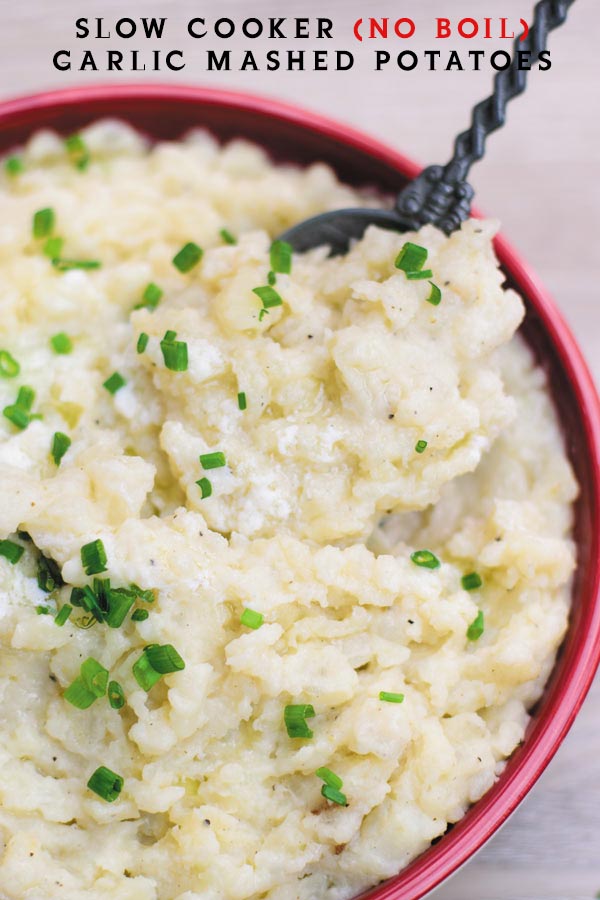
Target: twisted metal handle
(441,195)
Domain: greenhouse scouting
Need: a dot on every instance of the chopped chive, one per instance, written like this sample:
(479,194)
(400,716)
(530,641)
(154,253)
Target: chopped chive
(90,603)
(11,551)
(252,619)
(426,559)
(14,166)
(169,337)
(329,777)
(53,247)
(116,697)
(175,354)
(435,296)
(411,258)
(268,296)
(227,236)
(106,784)
(421,446)
(188,257)
(146,596)
(78,695)
(43,222)
(60,444)
(214,460)
(61,343)
(419,276)
(335,796)
(205,487)
(78,151)
(114,383)
(63,614)
(42,610)
(151,297)
(93,557)
(242,403)
(140,615)
(281,257)
(471,582)
(48,574)
(63,265)
(164,659)
(294,716)
(119,603)
(271,279)
(144,673)
(142,342)
(94,676)
(76,596)
(17,415)
(476,628)
(391,698)
(9,367)
(25,398)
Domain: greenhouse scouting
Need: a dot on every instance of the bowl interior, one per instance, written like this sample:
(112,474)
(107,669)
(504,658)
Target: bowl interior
(300,137)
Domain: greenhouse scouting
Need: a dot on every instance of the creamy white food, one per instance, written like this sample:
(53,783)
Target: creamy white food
(312,523)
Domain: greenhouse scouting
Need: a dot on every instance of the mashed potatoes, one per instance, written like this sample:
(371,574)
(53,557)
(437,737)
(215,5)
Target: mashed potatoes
(358,424)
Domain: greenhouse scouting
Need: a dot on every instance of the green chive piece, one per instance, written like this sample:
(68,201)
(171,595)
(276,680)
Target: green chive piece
(411,258)
(90,603)
(281,257)
(61,343)
(294,716)
(242,402)
(188,257)
(252,619)
(164,658)
(78,151)
(114,383)
(426,559)
(53,247)
(14,166)
(116,697)
(421,446)
(471,582)
(93,557)
(49,576)
(11,551)
(268,296)
(227,236)
(25,398)
(169,337)
(17,415)
(205,487)
(76,597)
(143,672)
(142,342)
(330,778)
(476,628)
(63,614)
(335,796)
(146,596)
(271,279)
(60,444)
(106,784)
(214,460)
(391,698)
(94,676)
(43,223)
(419,276)
(435,297)
(9,367)
(64,265)
(140,615)
(42,610)
(175,354)
(120,602)
(151,297)
(79,695)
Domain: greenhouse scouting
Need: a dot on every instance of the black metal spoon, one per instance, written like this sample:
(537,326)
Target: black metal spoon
(440,195)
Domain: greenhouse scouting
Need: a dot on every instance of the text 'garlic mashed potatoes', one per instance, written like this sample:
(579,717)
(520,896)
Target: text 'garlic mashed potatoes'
(329,508)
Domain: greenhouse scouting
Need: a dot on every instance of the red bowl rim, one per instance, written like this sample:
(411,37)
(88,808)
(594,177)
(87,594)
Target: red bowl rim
(488,814)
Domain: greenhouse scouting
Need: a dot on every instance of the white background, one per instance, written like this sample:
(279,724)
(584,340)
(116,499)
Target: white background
(541,177)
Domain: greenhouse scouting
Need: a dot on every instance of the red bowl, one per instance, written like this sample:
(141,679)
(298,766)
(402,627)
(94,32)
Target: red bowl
(302,137)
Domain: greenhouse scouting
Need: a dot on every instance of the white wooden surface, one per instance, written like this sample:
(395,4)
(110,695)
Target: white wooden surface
(540,177)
